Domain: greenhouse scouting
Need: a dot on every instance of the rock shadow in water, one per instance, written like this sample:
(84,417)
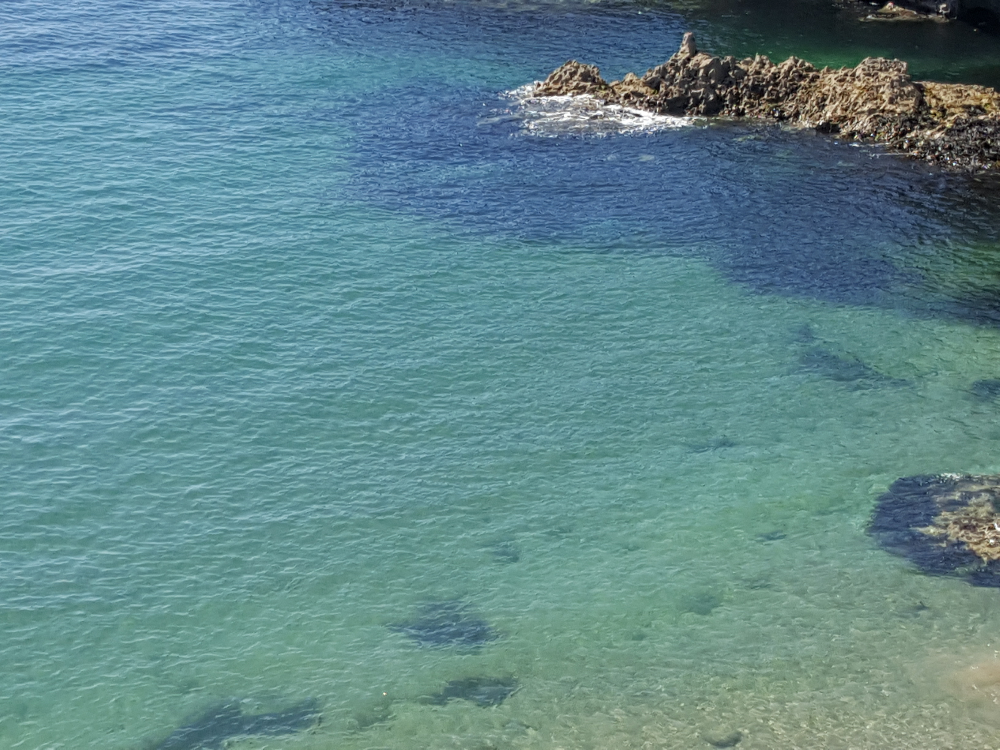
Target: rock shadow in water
(447,624)
(214,728)
(483,691)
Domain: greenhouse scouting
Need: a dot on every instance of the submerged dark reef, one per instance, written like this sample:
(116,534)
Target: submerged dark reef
(483,691)
(214,728)
(946,524)
(447,624)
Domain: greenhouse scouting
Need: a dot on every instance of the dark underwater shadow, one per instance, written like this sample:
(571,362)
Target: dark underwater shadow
(774,210)
(215,727)
(447,624)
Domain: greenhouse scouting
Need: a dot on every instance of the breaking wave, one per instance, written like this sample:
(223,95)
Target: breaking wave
(574,115)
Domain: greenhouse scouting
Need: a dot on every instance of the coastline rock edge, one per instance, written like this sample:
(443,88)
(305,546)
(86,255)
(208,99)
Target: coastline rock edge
(956,125)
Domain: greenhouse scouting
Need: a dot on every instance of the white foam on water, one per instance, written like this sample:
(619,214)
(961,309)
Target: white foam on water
(552,116)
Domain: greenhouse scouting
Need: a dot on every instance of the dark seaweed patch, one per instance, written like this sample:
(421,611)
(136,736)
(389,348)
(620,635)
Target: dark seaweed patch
(447,624)
(483,691)
(226,721)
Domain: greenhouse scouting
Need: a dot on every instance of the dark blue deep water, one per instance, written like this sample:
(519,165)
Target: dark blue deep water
(349,398)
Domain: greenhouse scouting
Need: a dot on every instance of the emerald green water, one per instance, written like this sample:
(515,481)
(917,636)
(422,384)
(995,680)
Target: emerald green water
(302,331)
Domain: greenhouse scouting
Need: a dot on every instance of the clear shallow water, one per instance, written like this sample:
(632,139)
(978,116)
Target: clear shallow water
(302,330)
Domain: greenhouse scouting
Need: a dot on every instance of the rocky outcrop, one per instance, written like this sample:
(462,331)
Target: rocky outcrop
(876,101)
(914,10)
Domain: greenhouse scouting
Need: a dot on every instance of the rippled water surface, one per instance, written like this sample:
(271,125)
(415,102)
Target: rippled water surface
(337,376)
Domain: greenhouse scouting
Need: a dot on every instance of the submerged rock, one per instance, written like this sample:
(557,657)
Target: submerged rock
(877,101)
(845,369)
(483,691)
(448,624)
(213,729)
(986,390)
(719,738)
(946,524)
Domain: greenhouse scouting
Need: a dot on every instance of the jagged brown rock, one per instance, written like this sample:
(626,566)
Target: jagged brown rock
(877,101)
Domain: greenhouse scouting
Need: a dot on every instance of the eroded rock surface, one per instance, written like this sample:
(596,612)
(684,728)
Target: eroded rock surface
(877,101)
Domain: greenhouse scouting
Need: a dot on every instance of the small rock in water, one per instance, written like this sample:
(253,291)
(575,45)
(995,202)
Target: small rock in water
(483,691)
(720,739)
(448,623)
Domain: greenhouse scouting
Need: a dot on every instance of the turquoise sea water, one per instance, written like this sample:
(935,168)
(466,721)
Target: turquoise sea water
(304,331)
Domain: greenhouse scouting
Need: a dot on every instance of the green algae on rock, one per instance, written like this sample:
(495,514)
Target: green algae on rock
(956,125)
(947,524)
